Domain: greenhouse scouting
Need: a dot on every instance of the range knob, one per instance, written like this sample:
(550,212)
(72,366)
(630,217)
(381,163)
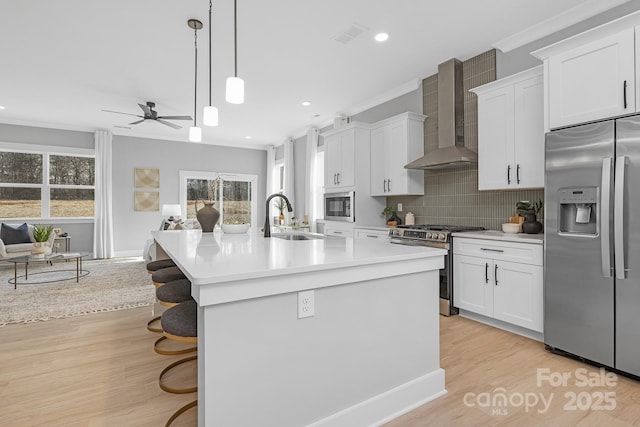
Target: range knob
(428,235)
(441,236)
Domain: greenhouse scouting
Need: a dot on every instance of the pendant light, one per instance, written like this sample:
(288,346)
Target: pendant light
(210,113)
(235,85)
(195,133)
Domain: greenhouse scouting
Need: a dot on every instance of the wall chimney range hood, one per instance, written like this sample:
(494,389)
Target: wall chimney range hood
(451,151)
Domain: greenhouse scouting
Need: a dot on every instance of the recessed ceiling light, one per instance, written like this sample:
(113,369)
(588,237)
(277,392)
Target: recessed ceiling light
(2,107)
(305,103)
(381,37)
(247,137)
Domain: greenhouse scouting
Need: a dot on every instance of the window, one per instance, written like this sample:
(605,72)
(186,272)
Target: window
(46,185)
(232,194)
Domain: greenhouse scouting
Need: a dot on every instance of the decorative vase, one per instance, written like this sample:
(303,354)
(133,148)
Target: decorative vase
(41,248)
(394,220)
(531,225)
(281,218)
(207,216)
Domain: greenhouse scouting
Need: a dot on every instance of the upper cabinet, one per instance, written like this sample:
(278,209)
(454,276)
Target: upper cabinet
(511,132)
(395,142)
(592,75)
(346,156)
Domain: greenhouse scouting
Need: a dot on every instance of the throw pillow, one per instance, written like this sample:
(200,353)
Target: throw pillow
(12,236)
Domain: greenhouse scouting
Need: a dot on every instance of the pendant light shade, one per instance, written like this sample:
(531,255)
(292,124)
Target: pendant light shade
(210,116)
(235,85)
(195,133)
(210,113)
(235,90)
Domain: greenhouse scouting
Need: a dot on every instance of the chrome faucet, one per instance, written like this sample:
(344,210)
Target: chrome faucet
(267,226)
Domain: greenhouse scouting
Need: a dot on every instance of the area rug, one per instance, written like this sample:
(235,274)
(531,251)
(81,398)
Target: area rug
(113,284)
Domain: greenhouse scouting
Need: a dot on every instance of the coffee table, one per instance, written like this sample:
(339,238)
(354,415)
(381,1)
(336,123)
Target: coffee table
(49,259)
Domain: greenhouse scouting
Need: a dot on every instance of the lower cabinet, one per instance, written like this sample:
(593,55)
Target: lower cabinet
(381,234)
(501,280)
(339,229)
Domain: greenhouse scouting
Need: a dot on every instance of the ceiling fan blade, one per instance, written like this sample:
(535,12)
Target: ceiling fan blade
(169,124)
(146,109)
(120,112)
(135,123)
(176,117)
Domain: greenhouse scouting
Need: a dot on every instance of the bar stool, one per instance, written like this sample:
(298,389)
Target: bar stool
(159,278)
(154,266)
(170,294)
(180,323)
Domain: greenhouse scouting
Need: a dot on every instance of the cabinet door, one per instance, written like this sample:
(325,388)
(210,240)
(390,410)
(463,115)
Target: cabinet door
(593,81)
(397,158)
(495,139)
(332,161)
(473,284)
(379,144)
(529,133)
(346,172)
(517,294)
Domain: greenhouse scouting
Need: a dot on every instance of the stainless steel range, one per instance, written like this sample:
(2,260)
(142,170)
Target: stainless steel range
(434,236)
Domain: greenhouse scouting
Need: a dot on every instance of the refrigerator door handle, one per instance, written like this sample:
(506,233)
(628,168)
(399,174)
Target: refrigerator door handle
(618,218)
(605,199)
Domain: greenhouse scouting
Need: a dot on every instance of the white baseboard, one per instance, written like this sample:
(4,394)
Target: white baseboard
(124,254)
(389,405)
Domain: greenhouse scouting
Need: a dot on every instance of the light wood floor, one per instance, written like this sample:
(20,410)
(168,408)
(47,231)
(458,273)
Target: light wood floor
(100,370)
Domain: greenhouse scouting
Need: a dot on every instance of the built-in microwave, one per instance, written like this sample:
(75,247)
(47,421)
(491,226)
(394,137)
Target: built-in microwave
(339,206)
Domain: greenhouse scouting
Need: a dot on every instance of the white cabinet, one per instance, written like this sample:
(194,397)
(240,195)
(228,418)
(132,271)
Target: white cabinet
(592,75)
(339,229)
(340,153)
(395,142)
(500,280)
(378,234)
(511,132)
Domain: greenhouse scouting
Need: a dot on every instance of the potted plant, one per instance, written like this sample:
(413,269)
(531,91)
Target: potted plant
(280,205)
(41,234)
(392,219)
(531,225)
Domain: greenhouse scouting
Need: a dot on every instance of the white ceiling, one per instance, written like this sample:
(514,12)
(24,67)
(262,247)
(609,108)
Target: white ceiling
(64,61)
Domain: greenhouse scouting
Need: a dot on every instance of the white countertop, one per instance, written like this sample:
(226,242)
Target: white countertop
(499,235)
(210,258)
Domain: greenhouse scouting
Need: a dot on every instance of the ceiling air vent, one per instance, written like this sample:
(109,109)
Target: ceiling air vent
(350,33)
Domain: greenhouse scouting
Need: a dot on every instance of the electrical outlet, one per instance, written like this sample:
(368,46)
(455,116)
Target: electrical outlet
(399,207)
(306,304)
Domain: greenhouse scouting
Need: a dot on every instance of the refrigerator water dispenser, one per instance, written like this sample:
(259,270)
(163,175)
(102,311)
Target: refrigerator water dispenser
(578,210)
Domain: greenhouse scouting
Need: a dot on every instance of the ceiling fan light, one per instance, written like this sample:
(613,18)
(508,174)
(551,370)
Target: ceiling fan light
(210,116)
(235,90)
(195,134)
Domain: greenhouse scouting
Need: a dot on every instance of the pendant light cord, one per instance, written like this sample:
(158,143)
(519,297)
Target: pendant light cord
(210,84)
(195,80)
(235,38)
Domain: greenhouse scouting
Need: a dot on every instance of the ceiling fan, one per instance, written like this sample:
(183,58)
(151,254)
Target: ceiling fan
(151,114)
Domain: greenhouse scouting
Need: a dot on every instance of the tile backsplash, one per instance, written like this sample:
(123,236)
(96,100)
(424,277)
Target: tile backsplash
(451,195)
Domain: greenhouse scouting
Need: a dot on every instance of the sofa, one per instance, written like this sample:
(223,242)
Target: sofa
(18,240)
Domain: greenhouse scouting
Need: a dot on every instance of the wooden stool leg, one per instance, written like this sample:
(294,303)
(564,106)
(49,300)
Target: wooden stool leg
(180,411)
(173,390)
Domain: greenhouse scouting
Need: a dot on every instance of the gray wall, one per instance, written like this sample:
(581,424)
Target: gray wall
(132,229)
(520,59)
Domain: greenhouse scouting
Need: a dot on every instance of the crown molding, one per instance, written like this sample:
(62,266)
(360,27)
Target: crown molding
(559,22)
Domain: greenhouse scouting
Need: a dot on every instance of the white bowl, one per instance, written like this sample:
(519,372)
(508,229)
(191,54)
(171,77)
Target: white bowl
(508,227)
(235,228)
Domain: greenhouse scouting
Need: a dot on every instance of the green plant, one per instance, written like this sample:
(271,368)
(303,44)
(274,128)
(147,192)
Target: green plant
(280,205)
(388,211)
(525,208)
(42,232)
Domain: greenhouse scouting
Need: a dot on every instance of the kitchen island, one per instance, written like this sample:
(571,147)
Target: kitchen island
(368,353)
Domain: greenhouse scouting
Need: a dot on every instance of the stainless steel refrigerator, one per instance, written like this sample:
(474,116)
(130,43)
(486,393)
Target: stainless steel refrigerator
(592,243)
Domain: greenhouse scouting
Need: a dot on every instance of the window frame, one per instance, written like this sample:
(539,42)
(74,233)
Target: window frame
(204,175)
(45,187)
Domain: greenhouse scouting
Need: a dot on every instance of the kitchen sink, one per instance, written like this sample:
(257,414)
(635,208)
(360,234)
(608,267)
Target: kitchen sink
(297,236)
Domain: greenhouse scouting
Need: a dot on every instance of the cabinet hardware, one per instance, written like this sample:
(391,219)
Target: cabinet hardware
(492,250)
(495,274)
(508,174)
(373,236)
(337,232)
(334,178)
(389,185)
(338,174)
(384,186)
(486,272)
(624,94)
(518,173)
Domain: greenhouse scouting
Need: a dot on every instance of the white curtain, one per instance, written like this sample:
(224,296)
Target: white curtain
(103,225)
(310,178)
(271,166)
(289,179)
